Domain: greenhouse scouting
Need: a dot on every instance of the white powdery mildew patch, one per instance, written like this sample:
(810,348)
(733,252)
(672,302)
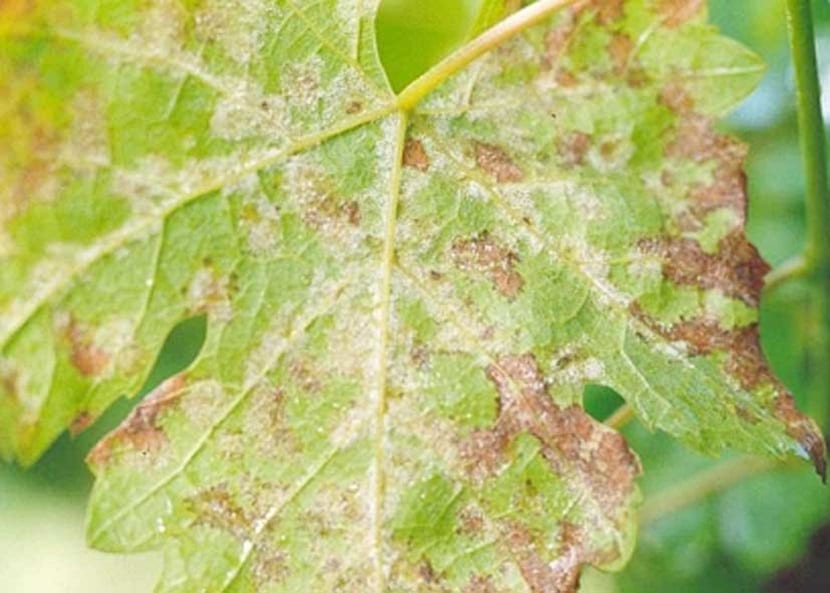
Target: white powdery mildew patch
(347,22)
(246,113)
(647,268)
(262,226)
(354,337)
(86,148)
(301,181)
(354,423)
(163,25)
(204,404)
(676,350)
(209,293)
(595,266)
(303,86)
(262,356)
(155,188)
(149,187)
(117,337)
(585,204)
(240,27)
(580,372)
(63,267)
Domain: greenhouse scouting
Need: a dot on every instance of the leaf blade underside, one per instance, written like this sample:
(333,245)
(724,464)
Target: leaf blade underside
(403,308)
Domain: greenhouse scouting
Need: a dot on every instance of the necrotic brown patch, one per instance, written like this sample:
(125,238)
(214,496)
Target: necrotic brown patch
(804,430)
(736,268)
(480,584)
(745,361)
(80,423)
(620,48)
(141,430)
(483,254)
(89,359)
(215,507)
(557,40)
(606,11)
(676,12)
(572,440)
(494,161)
(573,148)
(559,576)
(575,445)
(415,155)
(695,139)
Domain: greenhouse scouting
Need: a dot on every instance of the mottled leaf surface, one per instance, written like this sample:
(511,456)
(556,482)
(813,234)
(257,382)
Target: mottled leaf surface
(403,308)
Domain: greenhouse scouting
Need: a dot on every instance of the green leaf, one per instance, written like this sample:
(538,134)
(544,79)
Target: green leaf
(403,306)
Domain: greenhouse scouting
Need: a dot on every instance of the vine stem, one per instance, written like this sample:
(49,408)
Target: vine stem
(519,21)
(817,190)
(708,482)
(621,417)
(795,267)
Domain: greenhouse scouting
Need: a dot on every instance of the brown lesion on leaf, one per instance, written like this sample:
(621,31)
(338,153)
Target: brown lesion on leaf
(674,13)
(572,441)
(271,565)
(620,49)
(702,336)
(803,429)
(736,268)
(15,9)
(88,358)
(695,139)
(80,423)
(305,377)
(9,381)
(557,40)
(573,148)
(419,354)
(561,575)
(216,507)
(480,584)
(484,254)
(415,155)
(208,291)
(495,161)
(351,211)
(606,11)
(328,207)
(746,363)
(470,522)
(35,176)
(574,444)
(426,572)
(566,78)
(141,430)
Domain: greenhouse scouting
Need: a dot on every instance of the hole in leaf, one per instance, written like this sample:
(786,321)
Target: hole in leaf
(182,346)
(414,35)
(601,402)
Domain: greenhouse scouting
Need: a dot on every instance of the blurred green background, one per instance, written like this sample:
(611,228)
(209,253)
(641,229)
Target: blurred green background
(767,533)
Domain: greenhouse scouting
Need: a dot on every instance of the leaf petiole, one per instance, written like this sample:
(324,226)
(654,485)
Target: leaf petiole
(519,21)
(706,483)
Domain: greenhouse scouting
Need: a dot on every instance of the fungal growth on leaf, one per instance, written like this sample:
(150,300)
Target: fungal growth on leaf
(403,306)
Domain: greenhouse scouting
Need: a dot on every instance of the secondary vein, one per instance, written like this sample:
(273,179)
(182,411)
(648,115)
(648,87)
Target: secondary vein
(387,265)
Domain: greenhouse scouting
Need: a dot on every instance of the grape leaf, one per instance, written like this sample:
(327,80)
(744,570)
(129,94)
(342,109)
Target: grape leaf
(403,305)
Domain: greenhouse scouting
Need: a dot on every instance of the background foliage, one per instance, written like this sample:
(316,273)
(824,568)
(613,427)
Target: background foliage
(744,538)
